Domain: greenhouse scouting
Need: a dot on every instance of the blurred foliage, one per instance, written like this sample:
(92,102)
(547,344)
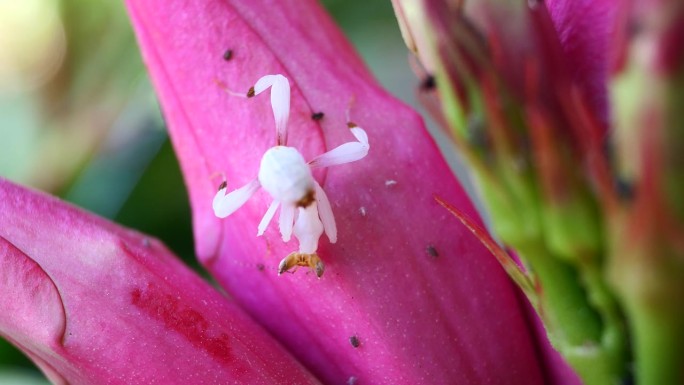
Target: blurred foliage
(169,216)
(72,92)
(56,114)
(10,357)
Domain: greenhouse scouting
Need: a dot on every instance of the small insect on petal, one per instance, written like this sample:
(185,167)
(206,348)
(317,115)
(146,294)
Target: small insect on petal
(226,204)
(296,260)
(305,209)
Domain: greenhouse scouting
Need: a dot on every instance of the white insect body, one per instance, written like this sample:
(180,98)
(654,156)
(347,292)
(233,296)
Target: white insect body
(284,173)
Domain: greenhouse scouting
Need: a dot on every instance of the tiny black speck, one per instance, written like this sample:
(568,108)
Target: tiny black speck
(228,55)
(431,251)
(317,115)
(428,83)
(260,266)
(222,185)
(354,341)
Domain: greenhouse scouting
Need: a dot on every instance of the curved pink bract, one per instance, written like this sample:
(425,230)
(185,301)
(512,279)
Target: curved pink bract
(93,303)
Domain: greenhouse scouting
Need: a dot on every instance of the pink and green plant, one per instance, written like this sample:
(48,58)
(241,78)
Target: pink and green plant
(415,291)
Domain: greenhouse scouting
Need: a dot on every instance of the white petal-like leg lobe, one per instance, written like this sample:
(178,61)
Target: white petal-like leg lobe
(308,229)
(360,135)
(326,214)
(287,213)
(267,217)
(226,204)
(280,102)
(348,152)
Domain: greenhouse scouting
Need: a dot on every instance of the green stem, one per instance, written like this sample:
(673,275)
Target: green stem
(649,282)
(659,347)
(614,350)
(575,328)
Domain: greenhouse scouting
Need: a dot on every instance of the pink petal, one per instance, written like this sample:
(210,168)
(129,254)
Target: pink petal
(586,30)
(93,303)
(566,43)
(415,318)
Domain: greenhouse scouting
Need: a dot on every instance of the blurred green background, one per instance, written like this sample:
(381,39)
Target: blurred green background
(78,117)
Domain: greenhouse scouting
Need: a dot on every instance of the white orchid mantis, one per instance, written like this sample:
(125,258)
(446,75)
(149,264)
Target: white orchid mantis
(305,210)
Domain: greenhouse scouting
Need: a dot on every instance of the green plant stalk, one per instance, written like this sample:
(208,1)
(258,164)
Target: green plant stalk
(575,328)
(583,325)
(572,230)
(647,257)
(646,261)
(649,282)
(659,344)
(614,344)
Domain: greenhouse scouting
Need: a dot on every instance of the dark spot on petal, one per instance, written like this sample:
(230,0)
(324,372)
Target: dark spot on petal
(428,83)
(228,55)
(351,125)
(354,341)
(319,267)
(250,93)
(431,251)
(307,199)
(317,116)
(223,185)
(260,266)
